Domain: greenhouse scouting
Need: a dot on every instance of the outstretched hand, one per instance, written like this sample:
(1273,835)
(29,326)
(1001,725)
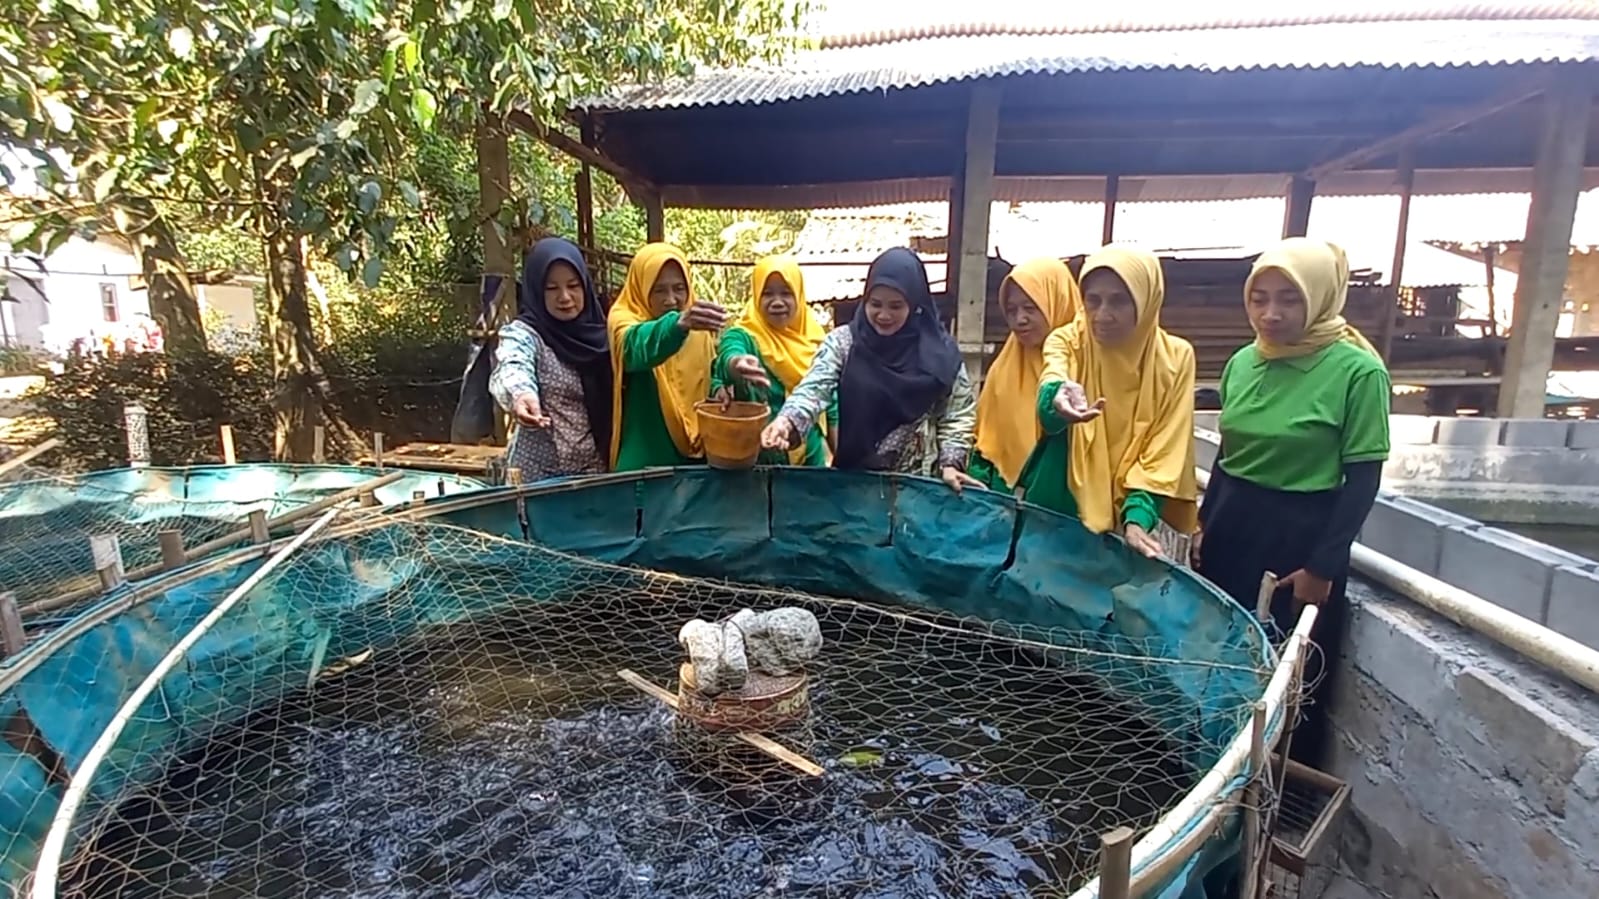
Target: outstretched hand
(527,410)
(779,435)
(1142,541)
(1072,404)
(959,480)
(703,316)
(1309,590)
(749,370)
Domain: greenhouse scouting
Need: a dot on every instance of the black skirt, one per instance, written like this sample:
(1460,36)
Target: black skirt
(1249,530)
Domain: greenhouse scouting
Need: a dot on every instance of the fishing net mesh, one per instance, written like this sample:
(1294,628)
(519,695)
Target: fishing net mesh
(428,710)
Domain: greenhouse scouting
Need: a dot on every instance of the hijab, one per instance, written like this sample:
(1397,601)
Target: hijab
(1321,272)
(895,380)
(788,350)
(1144,440)
(1007,410)
(580,343)
(682,380)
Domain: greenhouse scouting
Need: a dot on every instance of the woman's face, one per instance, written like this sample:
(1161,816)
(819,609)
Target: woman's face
(1276,307)
(887,310)
(778,303)
(669,293)
(1023,316)
(563,292)
(1109,305)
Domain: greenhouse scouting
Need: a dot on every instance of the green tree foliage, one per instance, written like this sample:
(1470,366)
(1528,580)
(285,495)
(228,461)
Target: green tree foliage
(301,119)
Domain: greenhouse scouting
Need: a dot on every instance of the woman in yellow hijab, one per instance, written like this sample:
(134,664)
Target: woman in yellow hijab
(763,357)
(1037,297)
(1125,460)
(662,345)
(1304,434)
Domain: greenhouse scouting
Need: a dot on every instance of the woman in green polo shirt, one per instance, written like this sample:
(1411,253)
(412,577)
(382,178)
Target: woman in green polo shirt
(1304,434)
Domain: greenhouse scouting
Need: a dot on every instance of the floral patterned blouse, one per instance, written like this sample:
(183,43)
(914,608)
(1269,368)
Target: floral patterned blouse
(525,364)
(941,438)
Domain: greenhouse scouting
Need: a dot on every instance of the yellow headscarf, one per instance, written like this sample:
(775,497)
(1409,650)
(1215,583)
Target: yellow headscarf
(789,350)
(1145,438)
(1007,410)
(1321,272)
(682,380)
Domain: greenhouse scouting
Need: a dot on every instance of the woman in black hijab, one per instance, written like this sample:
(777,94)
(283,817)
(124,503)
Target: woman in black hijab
(552,368)
(905,402)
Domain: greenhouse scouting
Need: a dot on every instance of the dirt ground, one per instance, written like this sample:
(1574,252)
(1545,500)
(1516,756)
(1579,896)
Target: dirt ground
(19,429)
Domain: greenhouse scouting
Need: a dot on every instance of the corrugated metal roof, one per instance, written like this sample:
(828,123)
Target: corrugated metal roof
(916,63)
(1035,18)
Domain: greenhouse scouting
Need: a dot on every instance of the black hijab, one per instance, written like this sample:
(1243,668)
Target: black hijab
(895,380)
(580,343)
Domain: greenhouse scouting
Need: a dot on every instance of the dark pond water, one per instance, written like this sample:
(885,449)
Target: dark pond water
(506,759)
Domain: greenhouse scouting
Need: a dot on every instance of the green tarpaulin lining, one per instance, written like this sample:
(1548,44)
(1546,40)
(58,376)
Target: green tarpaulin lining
(1194,658)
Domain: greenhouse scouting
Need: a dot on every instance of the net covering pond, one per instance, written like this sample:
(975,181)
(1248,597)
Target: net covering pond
(432,707)
(46,519)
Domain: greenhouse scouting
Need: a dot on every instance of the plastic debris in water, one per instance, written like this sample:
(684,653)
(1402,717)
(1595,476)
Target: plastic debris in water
(778,642)
(861,756)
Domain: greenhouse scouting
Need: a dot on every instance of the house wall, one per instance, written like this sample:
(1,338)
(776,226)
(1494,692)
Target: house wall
(70,307)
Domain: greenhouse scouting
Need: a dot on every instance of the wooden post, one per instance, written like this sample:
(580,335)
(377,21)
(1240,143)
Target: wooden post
(106,551)
(1296,212)
(654,217)
(418,497)
(952,240)
(1116,864)
(585,191)
(173,555)
(369,499)
(229,457)
(136,421)
(377,449)
(1488,254)
(1545,256)
(1107,231)
(1253,795)
(970,281)
(12,635)
(259,531)
(319,444)
(513,477)
(1407,183)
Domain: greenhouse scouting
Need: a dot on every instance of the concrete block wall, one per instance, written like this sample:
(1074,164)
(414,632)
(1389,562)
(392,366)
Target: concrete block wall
(1551,586)
(1473,774)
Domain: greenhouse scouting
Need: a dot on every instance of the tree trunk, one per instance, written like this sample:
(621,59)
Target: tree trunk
(173,303)
(499,257)
(302,395)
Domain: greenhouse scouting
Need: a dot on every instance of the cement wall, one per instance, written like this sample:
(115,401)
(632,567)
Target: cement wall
(1473,774)
(1551,586)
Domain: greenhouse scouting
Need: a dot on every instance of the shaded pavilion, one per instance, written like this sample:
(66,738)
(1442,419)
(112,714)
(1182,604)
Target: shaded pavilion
(1459,98)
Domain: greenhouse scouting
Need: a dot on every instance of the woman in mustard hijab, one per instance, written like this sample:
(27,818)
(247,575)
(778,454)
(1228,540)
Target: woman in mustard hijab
(662,344)
(1125,461)
(764,356)
(1304,434)
(1037,297)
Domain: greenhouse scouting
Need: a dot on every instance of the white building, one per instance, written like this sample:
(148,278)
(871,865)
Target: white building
(82,290)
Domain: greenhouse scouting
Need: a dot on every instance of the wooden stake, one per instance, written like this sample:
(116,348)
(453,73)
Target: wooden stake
(418,497)
(260,532)
(1116,864)
(173,555)
(319,442)
(229,457)
(1253,837)
(513,477)
(377,449)
(106,551)
(12,636)
(765,744)
(369,499)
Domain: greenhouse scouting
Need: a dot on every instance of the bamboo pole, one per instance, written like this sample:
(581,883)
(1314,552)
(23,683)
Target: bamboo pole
(28,455)
(48,871)
(12,635)
(319,443)
(260,531)
(229,457)
(106,551)
(763,743)
(1253,837)
(173,554)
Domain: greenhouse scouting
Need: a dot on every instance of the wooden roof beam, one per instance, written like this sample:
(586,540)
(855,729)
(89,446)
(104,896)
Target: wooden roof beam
(1433,126)
(579,151)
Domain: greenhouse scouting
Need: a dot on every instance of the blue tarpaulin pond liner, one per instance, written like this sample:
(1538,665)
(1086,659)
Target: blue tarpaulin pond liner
(46,522)
(1165,646)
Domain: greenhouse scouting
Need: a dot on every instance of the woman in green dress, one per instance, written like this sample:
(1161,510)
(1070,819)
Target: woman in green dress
(662,344)
(763,357)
